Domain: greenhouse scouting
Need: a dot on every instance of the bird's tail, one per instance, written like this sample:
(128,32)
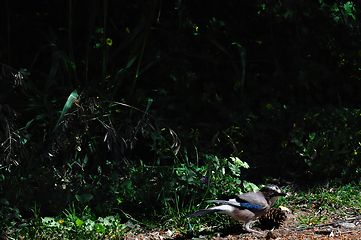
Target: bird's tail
(219,201)
(240,205)
(203,212)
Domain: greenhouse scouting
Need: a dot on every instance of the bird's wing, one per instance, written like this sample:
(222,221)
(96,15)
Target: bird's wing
(251,200)
(226,209)
(234,203)
(202,212)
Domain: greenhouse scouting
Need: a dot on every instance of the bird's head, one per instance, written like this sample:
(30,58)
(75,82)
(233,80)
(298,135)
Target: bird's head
(272,192)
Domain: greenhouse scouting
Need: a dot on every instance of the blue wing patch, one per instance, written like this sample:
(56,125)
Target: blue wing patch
(250,206)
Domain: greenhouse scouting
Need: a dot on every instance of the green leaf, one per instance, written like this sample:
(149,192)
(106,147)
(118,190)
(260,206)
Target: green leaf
(86,197)
(189,176)
(235,170)
(126,184)
(50,222)
(3,201)
(239,163)
(107,221)
(312,135)
(28,124)
(98,227)
(69,103)
(132,60)
(250,186)
(79,222)
(150,100)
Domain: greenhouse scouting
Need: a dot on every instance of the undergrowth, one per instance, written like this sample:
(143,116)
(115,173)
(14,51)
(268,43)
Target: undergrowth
(319,205)
(120,116)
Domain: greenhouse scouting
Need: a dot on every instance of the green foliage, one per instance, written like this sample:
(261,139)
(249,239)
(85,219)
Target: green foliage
(8,213)
(314,219)
(110,92)
(328,141)
(314,206)
(74,226)
(166,191)
(335,197)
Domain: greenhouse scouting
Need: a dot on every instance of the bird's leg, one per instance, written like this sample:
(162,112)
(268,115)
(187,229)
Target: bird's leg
(246,226)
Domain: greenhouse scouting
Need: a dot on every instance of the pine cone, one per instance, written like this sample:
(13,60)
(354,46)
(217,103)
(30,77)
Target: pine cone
(273,219)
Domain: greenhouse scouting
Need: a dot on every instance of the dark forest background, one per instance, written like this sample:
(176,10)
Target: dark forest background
(117,104)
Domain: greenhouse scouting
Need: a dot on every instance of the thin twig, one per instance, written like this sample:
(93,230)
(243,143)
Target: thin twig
(328,224)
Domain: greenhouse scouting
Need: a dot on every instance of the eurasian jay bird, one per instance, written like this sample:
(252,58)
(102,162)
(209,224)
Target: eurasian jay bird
(245,207)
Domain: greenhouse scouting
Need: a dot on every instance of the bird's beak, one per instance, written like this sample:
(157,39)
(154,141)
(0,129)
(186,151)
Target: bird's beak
(279,193)
(282,194)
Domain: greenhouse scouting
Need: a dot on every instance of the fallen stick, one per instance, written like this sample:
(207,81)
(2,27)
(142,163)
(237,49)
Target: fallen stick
(328,224)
